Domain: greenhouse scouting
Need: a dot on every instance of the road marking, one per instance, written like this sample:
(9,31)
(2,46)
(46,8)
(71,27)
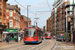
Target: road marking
(61,45)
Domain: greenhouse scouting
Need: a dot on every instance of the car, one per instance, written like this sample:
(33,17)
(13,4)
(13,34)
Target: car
(57,38)
(61,38)
(54,37)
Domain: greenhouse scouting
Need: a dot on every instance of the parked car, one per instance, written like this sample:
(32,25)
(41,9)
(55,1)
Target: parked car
(57,38)
(62,38)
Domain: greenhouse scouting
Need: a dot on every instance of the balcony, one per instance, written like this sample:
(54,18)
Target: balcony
(69,15)
(69,9)
(67,4)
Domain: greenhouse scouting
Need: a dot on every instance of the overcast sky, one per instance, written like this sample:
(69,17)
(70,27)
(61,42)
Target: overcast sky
(36,5)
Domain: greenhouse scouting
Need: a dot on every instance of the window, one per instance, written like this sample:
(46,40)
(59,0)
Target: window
(11,23)
(4,20)
(11,14)
(61,7)
(61,17)
(7,10)
(0,6)
(61,12)
(0,19)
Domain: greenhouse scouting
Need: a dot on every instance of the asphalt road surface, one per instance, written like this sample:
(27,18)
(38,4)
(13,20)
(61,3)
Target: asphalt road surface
(46,44)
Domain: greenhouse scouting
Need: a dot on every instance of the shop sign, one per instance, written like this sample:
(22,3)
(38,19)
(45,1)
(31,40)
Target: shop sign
(12,30)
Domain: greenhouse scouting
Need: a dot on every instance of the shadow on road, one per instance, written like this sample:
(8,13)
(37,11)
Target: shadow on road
(32,43)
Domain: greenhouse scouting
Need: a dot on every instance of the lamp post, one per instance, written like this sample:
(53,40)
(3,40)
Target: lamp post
(27,13)
(73,22)
(66,24)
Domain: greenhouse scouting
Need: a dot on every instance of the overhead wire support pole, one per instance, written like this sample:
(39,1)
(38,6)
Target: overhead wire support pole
(27,15)
(36,21)
(66,24)
(73,22)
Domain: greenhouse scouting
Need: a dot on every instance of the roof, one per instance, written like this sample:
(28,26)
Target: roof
(12,7)
(24,17)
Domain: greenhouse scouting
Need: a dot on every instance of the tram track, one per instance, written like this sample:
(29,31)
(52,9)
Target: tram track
(44,45)
(53,46)
(39,46)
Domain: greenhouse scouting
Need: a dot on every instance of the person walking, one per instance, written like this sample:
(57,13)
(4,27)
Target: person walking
(15,38)
(6,39)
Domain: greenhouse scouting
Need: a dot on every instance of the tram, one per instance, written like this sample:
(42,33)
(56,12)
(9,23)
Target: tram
(47,35)
(32,34)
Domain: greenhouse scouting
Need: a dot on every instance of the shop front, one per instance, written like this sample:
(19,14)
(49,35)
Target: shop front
(2,28)
(12,34)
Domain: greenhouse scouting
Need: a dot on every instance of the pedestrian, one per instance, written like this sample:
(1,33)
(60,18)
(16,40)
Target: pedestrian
(6,39)
(21,37)
(15,38)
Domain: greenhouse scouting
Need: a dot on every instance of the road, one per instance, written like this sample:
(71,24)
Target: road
(47,44)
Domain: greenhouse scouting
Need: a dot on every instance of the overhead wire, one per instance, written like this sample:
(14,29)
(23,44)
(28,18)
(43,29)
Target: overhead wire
(48,5)
(24,7)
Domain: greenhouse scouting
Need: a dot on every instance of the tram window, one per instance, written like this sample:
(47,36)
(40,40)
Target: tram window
(26,33)
(34,33)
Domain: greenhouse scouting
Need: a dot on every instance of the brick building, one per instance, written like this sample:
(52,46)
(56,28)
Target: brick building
(2,17)
(44,28)
(58,17)
(13,16)
(29,21)
(48,24)
(23,21)
(23,24)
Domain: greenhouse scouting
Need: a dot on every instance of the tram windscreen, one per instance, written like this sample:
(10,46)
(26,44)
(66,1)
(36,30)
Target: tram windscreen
(48,34)
(30,32)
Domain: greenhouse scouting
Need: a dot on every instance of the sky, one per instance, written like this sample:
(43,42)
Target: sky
(36,7)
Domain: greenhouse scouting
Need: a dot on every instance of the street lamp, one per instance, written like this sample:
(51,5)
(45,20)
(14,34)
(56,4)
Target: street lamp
(27,13)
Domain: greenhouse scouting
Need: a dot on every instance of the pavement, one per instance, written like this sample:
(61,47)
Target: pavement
(12,42)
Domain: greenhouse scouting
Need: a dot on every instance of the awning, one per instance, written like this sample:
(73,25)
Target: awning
(4,32)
